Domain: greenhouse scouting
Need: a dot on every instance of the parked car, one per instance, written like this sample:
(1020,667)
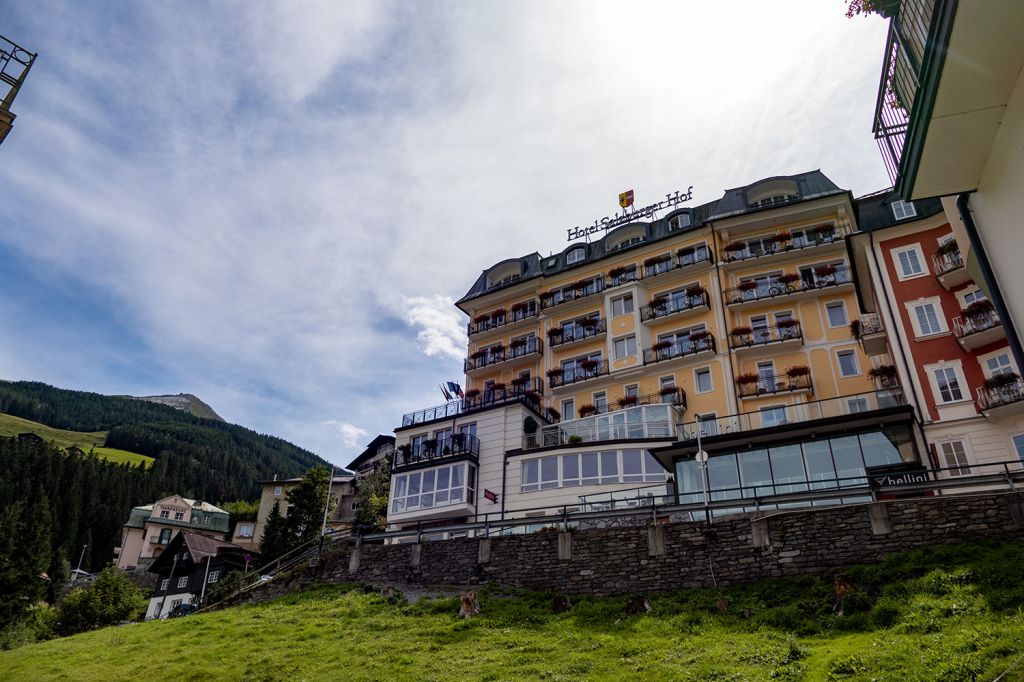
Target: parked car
(182,610)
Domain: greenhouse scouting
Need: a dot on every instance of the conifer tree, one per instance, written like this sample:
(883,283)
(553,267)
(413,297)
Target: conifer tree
(274,542)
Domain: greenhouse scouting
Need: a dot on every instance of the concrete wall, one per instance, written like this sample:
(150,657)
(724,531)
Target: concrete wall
(682,555)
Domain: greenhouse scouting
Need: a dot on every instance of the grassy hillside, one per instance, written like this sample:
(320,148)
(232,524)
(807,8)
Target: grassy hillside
(944,614)
(93,440)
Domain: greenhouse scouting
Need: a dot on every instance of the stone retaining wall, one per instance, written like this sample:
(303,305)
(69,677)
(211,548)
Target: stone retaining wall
(682,555)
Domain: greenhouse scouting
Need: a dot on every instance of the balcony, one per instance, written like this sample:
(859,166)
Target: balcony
(581,330)
(15,63)
(783,244)
(666,307)
(949,268)
(437,450)
(801,413)
(528,393)
(584,371)
(981,329)
(759,386)
(870,334)
(652,421)
(500,319)
(159,540)
(497,355)
(684,259)
(752,291)
(747,338)
(695,344)
(575,292)
(1001,397)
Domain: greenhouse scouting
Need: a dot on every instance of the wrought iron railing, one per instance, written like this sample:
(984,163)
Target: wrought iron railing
(505,319)
(681,347)
(15,63)
(772,384)
(763,290)
(498,354)
(527,393)
(972,324)
(816,237)
(567,295)
(947,262)
(454,445)
(671,306)
(579,331)
(578,373)
(763,336)
(997,396)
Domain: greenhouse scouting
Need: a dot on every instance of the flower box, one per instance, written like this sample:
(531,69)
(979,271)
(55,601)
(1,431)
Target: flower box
(798,371)
(520,381)
(782,236)
(589,322)
(741,331)
(478,354)
(658,302)
(825,271)
(552,373)
(554,332)
(616,272)
(498,388)
(979,308)
(748,378)
(657,260)
(661,345)
(498,314)
(589,364)
(472,393)
(627,401)
(480,319)
(518,343)
(735,247)
(686,252)
(535,396)
(667,390)
(553,414)
(747,285)
(587,409)
(789,278)
(1001,380)
(787,323)
(694,292)
(519,307)
(699,335)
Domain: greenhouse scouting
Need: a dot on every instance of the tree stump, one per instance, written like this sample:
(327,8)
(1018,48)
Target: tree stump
(468,605)
(561,604)
(638,604)
(387,592)
(722,605)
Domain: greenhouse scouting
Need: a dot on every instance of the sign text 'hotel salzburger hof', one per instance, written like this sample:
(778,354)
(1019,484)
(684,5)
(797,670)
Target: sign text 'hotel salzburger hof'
(627,216)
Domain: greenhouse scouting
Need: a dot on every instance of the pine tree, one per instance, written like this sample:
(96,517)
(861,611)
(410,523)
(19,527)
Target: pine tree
(306,505)
(274,542)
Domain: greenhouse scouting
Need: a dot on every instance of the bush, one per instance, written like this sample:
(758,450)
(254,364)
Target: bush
(111,598)
(36,625)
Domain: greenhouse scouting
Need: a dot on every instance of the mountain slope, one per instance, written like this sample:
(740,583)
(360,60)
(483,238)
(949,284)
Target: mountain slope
(87,442)
(186,402)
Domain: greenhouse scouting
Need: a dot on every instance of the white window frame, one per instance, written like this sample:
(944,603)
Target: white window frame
(570,412)
(902,210)
(919,252)
(961,381)
(277,491)
(1018,447)
(650,472)
(962,468)
(577,255)
(769,409)
(839,362)
(861,403)
(828,318)
(246,530)
(940,316)
(621,301)
(182,581)
(696,380)
(631,389)
(213,577)
(677,222)
(164,584)
(983,360)
(625,342)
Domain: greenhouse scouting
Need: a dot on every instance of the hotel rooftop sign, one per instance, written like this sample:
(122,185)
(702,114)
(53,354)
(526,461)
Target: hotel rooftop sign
(627,216)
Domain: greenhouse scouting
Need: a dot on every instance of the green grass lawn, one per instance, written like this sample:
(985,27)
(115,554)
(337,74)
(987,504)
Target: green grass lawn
(944,614)
(12,426)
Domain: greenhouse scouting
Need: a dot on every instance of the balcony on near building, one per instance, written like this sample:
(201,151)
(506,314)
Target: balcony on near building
(15,63)
(761,385)
(683,347)
(497,355)
(463,445)
(573,292)
(501,319)
(662,307)
(977,329)
(752,291)
(684,259)
(580,330)
(584,371)
(782,244)
(786,332)
(649,418)
(948,266)
(528,392)
(1002,395)
(870,334)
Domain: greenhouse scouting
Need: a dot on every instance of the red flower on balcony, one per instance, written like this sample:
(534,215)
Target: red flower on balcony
(627,401)
(472,393)
(499,387)
(747,285)
(798,371)
(517,307)
(589,364)
(588,322)
(825,271)
(478,354)
(741,331)
(480,319)
(782,236)
(587,409)
(748,378)
(498,314)
(699,335)
(617,272)
(661,345)
(733,247)
(554,332)
(552,373)
(667,390)
(787,323)
(520,381)
(789,278)
(553,414)
(658,302)
(695,291)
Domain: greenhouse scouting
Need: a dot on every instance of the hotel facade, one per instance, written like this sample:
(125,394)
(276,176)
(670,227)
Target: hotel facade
(591,373)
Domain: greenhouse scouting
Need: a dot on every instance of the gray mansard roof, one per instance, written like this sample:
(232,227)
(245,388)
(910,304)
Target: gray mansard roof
(808,186)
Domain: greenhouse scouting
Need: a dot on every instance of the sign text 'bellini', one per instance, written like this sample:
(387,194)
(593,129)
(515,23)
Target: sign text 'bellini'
(625,216)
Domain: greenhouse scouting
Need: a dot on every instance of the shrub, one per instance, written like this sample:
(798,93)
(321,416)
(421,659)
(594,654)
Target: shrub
(882,372)
(979,308)
(1001,380)
(748,285)
(787,323)
(741,331)
(798,371)
(587,409)
(747,378)
(626,401)
(789,278)
(733,247)
(110,598)
(855,329)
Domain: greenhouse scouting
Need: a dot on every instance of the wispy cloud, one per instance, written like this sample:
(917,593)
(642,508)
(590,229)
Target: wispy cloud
(275,205)
(351,435)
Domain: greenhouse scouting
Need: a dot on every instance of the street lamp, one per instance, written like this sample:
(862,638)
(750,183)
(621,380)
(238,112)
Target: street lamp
(702,463)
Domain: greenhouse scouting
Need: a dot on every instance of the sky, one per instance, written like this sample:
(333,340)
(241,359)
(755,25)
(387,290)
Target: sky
(274,205)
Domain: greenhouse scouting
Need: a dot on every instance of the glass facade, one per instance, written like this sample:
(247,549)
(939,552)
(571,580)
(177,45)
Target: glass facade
(822,463)
(431,488)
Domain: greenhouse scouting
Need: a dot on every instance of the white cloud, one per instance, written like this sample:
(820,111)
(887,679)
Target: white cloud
(351,435)
(441,326)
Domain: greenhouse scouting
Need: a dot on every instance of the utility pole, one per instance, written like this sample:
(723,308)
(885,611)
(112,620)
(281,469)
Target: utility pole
(327,504)
(79,569)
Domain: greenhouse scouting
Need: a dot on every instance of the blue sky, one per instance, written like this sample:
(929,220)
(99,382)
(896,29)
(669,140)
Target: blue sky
(272,205)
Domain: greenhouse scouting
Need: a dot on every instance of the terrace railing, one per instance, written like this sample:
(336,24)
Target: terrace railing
(494,356)
(763,336)
(526,393)
(773,289)
(578,332)
(972,324)
(772,384)
(655,420)
(671,306)
(576,374)
(505,319)
(997,396)
(455,445)
(947,262)
(680,348)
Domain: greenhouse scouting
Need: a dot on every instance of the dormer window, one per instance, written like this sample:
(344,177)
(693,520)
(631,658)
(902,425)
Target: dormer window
(901,210)
(774,200)
(679,222)
(772,193)
(638,239)
(576,255)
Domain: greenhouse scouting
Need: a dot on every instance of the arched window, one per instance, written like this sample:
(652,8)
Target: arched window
(576,255)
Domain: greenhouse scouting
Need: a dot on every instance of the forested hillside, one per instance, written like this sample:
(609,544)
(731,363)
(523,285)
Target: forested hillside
(199,458)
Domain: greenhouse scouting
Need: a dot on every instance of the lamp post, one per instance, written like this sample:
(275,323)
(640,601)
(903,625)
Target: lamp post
(78,570)
(702,464)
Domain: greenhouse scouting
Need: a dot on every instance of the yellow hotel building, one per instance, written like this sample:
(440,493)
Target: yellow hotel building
(590,373)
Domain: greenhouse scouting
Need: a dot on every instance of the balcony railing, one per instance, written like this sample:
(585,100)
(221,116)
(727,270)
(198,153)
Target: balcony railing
(683,259)
(681,348)
(774,384)
(972,324)
(794,414)
(818,237)
(651,421)
(869,323)
(671,306)
(15,63)
(567,295)
(497,355)
(526,393)
(763,336)
(579,331)
(946,263)
(576,374)
(997,396)
(774,289)
(505,319)
(457,444)
(909,33)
